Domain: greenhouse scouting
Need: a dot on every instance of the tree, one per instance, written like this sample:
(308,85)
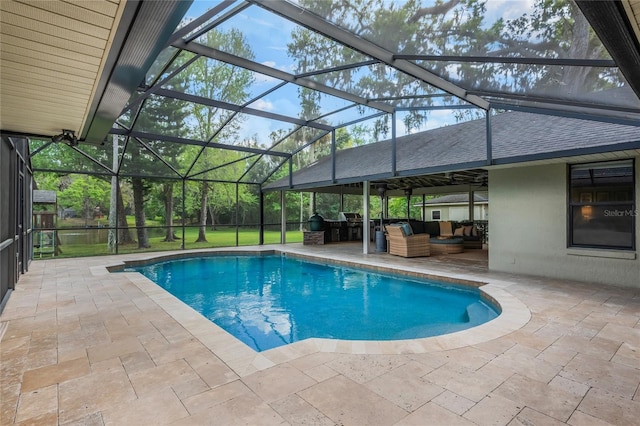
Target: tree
(138,210)
(554,29)
(160,115)
(86,195)
(212,79)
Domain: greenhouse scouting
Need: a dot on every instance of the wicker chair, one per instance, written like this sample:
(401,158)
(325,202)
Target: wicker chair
(416,245)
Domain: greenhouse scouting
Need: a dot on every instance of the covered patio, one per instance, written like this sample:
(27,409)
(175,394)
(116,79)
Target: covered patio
(81,345)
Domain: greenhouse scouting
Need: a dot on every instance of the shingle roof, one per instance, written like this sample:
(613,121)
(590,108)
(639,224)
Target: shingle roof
(456,198)
(43,196)
(515,137)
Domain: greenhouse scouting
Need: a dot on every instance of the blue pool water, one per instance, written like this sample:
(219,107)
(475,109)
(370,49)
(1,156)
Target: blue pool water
(269,301)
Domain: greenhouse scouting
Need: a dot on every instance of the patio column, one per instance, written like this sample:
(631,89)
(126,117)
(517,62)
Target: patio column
(283,218)
(471,205)
(365,217)
(184,213)
(261,207)
(237,214)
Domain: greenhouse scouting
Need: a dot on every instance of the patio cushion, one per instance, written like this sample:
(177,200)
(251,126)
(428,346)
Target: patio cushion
(406,229)
(456,240)
(446,229)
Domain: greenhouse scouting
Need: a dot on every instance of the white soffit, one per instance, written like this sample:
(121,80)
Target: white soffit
(52,54)
(632,8)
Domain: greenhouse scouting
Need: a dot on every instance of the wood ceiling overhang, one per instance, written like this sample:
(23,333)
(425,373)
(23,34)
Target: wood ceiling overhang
(73,64)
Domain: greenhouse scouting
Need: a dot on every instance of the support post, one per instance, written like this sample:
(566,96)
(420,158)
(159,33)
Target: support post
(365,218)
(237,214)
(283,218)
(117,206)
(489,140)
(333,156)
(393,144)
(314,205)
(184,213)
(261,206)
(471,205)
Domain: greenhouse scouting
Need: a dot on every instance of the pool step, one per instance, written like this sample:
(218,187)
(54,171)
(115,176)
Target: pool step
(478,313)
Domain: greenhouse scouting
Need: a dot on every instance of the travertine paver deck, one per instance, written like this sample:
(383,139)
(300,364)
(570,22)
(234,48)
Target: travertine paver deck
(82,346)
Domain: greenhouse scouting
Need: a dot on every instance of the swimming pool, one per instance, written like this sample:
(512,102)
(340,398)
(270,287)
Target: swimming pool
(273,300)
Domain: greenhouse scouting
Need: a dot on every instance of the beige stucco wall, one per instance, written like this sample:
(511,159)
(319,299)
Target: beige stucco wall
(458,212)
(528,228)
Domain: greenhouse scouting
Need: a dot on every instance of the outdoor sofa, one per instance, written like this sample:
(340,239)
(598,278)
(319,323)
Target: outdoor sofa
(469,232)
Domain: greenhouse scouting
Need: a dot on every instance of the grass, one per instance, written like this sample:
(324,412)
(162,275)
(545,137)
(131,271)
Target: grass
(221,237)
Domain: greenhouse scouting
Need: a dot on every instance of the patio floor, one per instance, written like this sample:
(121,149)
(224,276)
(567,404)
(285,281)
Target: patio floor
(80,345)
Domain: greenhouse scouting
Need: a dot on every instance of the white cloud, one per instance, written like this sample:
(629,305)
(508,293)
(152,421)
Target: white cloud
(507,9)
(257,130)
(401,129)
(262,105)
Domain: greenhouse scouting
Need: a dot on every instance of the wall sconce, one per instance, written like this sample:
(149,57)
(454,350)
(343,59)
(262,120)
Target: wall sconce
(586,211)
(67,136)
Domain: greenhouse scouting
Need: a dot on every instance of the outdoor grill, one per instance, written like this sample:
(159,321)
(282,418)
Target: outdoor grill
(352,219)
(353,222)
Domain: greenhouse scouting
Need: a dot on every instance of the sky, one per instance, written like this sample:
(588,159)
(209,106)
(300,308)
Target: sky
(268,36)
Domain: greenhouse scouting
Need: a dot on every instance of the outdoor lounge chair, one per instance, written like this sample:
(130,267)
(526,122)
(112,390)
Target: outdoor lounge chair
(403,242)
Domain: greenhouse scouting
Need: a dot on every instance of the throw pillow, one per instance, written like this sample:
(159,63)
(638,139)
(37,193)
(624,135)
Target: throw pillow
(406,228)
(467,230)
(446,229)
(459,232)
(474,231)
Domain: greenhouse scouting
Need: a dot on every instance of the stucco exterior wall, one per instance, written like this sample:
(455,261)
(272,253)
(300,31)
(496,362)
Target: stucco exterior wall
(529,230)
(458,213)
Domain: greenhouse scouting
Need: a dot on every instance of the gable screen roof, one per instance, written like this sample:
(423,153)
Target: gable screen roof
(304,70)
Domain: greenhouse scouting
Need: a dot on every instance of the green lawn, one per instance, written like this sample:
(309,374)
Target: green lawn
(76,243)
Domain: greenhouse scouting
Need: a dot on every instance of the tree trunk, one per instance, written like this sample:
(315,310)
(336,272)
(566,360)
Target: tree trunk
(167,193)
(124,236)
(138,207)
(212,215)
(202,231)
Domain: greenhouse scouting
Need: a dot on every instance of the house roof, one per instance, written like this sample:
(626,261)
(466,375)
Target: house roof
(44,197)
(456,199)
(461,150)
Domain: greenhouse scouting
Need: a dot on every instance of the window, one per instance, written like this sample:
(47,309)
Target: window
(602,206)
(435,215)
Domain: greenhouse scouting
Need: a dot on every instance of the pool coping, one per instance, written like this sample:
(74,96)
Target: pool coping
(244,360)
